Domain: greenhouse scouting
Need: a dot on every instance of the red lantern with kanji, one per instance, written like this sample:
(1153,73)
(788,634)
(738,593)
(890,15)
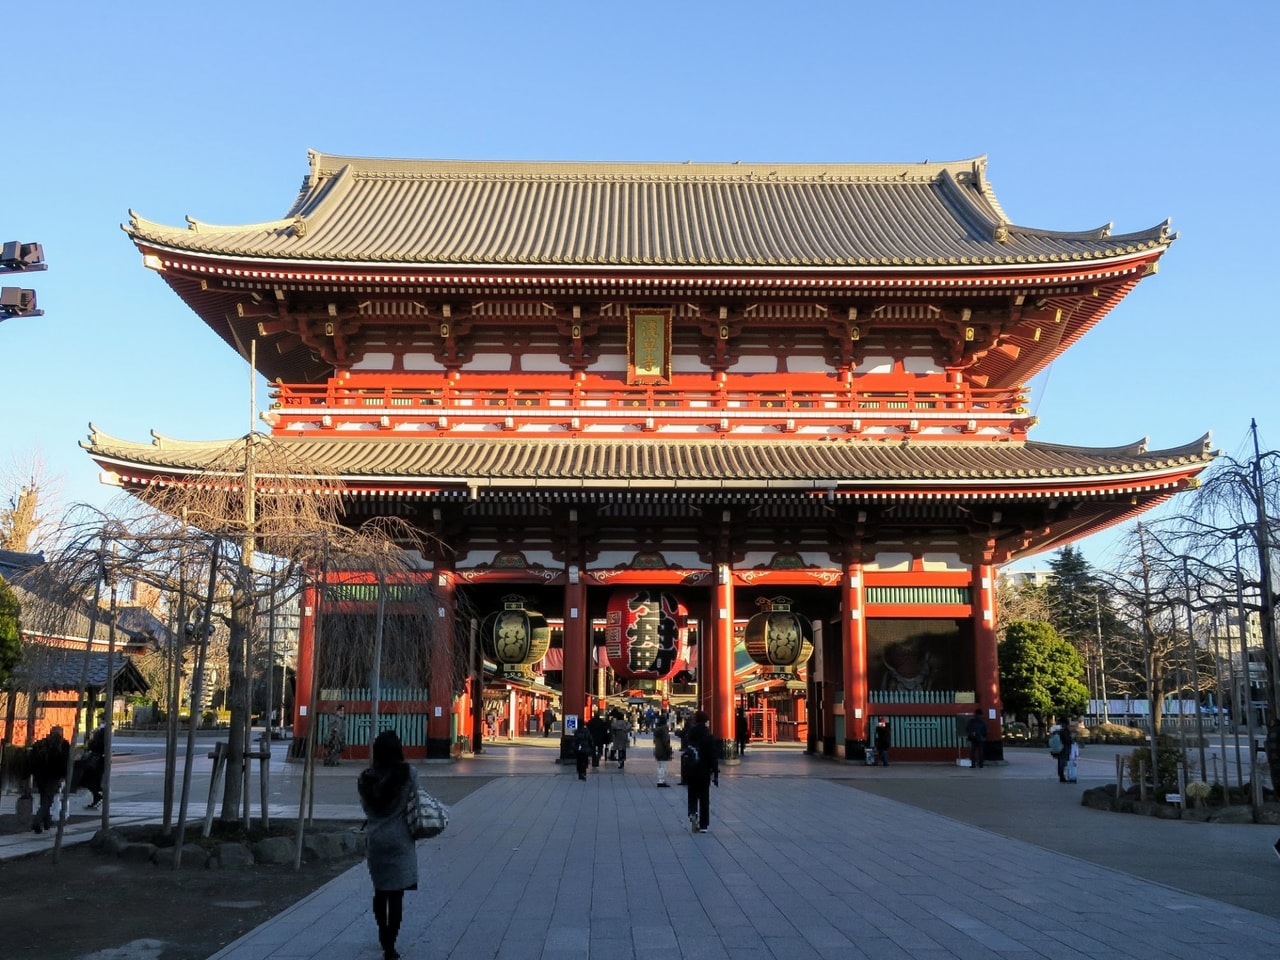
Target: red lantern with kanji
(645,634)
(778,638)
(515,638)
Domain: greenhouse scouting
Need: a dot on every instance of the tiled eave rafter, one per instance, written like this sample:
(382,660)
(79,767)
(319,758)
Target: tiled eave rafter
(604,491)
(647,280)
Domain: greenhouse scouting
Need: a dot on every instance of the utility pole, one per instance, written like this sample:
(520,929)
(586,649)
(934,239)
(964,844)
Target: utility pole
(1195,670)
(1244,662)
(1149,651)
(1102,657)
(1262,537)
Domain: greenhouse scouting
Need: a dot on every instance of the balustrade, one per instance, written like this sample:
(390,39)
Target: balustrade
(345,404)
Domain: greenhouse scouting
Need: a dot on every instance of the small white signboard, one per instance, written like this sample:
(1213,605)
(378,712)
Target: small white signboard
(571,724)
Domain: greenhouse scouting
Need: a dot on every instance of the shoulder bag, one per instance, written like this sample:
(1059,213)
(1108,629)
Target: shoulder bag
(425,815)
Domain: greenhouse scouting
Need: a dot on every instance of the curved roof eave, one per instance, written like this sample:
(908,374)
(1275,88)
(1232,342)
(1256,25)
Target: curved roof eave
(794,465)
(1014,267)
(637,216)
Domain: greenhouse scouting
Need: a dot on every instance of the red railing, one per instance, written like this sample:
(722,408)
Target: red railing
(346,404)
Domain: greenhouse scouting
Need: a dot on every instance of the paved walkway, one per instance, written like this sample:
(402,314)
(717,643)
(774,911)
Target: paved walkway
(806,858)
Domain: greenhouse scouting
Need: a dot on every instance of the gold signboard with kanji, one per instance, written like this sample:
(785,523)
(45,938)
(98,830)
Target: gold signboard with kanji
(648,346)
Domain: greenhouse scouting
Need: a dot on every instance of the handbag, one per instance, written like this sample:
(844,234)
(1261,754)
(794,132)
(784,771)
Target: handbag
(425,815)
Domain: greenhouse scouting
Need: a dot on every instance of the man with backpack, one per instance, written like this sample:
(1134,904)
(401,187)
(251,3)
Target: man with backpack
(48,769)
(1060,743)
(699,769)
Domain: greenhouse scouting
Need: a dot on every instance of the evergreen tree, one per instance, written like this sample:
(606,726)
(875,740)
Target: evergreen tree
(1072,592)
(1040,672)
(10,635)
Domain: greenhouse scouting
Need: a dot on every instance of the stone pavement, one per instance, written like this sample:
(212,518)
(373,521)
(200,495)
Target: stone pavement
(800,863)
(806,858)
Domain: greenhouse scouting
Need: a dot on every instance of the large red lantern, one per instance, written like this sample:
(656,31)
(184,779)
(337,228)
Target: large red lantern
(515,638)
(645,634)
(778,638)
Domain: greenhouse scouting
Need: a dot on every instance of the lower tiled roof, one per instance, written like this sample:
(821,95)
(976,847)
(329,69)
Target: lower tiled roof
(373,459)
(47,668)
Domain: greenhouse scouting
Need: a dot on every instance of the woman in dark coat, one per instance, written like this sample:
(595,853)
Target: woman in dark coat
(392,855)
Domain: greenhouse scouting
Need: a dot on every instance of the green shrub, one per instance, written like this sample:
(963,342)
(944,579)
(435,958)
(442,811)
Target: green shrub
(1168,757)
(1117,733)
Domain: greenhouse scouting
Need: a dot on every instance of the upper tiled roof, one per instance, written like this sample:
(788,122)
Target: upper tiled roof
(697,215)
(365,460)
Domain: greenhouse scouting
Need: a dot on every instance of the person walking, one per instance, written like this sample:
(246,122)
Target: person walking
(599,737)
(336,740)
(584,749)
(1073,754)
(1064,756)
(621,737)
(390,852)
(883,740)
(683,735)
(92,764)
(662,748)
(700,768)
(49,757)
(548,719)
(977,733)
(741,731)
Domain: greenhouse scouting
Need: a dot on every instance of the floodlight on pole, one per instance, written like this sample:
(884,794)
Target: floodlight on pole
(21,257)
(18,302)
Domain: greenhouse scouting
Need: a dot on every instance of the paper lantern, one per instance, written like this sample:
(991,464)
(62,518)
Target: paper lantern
(778,638)
(645,634)
(515,638)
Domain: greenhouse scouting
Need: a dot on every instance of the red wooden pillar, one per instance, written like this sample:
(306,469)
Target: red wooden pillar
(573,700)
(719,704)
(854,643)
(986,665)
(440,694)
(302,671)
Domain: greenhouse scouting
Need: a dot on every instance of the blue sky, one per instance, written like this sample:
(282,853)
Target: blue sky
(1089,113)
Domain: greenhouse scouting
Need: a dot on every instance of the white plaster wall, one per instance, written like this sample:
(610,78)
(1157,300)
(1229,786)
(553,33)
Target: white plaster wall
(610,363)
(943,561)
(542,363)
(900,562)
(921,365)
(875,364)
(376,361)
(421,361)
(688,363)
(807,364)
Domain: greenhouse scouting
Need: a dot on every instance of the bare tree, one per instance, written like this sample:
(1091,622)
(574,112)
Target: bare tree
(264,503)
(1237,506)
(1019,602)
(29,494)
